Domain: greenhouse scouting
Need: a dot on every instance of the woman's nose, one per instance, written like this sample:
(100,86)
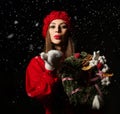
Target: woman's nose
(57,29)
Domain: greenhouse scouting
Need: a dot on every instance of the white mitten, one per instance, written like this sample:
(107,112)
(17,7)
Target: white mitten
(52,59)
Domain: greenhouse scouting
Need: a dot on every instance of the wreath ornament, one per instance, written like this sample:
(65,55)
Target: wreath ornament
(86,78)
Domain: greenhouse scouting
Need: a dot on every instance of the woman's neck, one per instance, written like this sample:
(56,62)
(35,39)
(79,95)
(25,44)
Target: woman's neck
(58,47)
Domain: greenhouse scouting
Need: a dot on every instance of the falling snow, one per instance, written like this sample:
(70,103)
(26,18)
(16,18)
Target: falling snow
(96,27)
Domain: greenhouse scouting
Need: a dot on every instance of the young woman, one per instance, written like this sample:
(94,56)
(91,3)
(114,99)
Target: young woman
(43,80)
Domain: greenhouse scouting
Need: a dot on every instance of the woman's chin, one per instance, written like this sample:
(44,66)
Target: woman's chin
(57,42)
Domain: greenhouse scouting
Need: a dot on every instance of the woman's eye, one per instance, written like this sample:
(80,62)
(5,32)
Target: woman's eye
(64,26)
(52,26)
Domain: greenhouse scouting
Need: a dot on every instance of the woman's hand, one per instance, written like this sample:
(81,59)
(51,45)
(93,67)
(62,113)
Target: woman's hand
(52,59)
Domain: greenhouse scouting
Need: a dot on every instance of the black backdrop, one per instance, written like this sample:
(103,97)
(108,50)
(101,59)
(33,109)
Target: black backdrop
(96,26)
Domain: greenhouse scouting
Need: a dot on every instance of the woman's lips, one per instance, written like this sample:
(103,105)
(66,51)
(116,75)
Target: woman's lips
(57,37)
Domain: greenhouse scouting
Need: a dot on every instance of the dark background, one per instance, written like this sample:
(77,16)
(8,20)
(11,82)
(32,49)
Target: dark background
(96,26)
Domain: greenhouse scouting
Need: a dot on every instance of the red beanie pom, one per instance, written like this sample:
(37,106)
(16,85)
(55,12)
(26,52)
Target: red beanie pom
(52,16)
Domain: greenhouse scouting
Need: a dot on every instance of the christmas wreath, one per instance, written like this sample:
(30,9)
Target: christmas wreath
(86,78)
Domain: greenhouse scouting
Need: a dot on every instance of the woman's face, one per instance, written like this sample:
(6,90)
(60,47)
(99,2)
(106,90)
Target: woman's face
(57,29)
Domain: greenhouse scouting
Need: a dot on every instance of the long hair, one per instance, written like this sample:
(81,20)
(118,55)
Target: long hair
(68,45)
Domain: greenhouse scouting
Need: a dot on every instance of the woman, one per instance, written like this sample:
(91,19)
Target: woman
(43,79)
(42,82)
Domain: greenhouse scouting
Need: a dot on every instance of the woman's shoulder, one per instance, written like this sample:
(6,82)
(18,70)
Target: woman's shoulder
(36,60)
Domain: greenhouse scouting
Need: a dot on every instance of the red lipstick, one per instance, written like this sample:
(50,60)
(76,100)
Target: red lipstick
(57,36)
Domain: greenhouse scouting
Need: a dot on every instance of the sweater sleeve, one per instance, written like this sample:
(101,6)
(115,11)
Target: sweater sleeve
(39,81)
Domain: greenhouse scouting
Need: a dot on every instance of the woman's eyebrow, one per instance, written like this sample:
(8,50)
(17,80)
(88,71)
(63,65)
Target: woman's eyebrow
(60,23)
(53,23)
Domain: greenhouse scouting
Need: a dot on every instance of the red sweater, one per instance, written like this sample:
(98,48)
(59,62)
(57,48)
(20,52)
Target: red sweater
(45,86)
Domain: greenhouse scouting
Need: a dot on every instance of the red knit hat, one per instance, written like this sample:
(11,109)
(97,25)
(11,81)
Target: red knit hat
(52,16)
